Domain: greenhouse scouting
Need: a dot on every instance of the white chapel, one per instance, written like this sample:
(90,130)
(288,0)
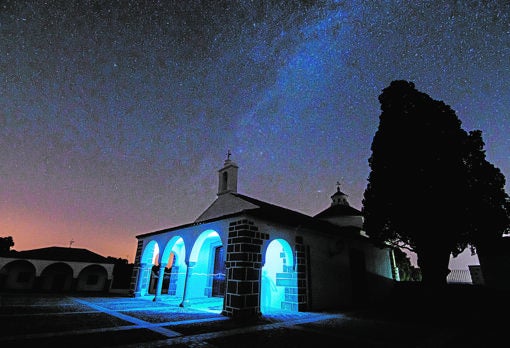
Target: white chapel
(252,257)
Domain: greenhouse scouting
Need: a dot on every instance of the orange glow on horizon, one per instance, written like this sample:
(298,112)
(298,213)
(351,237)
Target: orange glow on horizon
(35,230)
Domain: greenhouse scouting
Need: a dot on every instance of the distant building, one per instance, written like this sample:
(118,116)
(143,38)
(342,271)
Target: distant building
(459,276)
(55,269)
(259,257)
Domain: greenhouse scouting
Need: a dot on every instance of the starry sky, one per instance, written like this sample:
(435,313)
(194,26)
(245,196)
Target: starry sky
(116,115)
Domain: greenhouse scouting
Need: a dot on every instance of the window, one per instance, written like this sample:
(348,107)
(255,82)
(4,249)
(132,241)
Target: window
(225,181)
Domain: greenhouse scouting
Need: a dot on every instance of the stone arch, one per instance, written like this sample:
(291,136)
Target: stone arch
(278,290)
(57,277)
(206,272)
(148,272)
(92,278)
(150,253)
(174,260)
(18,275)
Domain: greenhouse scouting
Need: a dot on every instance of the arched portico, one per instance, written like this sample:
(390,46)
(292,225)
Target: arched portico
(54,269)
(188,275)
(148,259)
(171,273)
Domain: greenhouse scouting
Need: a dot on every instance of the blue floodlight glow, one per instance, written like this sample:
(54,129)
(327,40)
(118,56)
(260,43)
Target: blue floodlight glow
(278,277)
(174,256)
(150,252)
(202,279)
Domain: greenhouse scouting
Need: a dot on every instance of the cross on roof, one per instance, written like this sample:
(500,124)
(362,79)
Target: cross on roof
(228,154)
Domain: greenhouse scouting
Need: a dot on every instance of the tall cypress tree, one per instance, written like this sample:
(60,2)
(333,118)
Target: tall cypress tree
(421,189)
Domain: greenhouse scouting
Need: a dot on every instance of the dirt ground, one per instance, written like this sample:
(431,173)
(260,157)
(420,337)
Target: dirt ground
(467,318)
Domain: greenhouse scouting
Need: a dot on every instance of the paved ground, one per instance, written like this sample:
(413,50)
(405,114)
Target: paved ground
(69,321)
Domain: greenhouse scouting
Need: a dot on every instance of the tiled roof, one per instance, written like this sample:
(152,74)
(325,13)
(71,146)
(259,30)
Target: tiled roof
(280,214)
(338,210)
(60,254)
(277,214)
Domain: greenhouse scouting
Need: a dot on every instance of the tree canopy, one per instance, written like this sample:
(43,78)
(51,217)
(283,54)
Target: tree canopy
(6,243)
(430,182)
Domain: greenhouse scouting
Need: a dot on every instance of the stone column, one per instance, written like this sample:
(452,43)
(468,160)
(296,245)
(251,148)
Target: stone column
(107,285)
(189,271)
(73,287)
(243,268)
(161,275)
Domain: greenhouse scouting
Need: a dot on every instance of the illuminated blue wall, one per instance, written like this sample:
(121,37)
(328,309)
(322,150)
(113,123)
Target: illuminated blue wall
(278,280)
(175,247)
(202,265)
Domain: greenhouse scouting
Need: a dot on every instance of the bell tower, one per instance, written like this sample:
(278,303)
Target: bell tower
(339,198)
(227,176)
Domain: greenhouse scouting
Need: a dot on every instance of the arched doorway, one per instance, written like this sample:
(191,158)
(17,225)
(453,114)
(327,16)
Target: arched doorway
(174,276)
(57,277)
(206,279)
(17,275)
(278,289)
(149,259)
(92,278)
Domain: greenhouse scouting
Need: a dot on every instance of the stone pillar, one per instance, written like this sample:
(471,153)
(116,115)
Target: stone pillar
(189,271)
(38,283)
(159,285)
(302,275)
(73,287)
(243,268)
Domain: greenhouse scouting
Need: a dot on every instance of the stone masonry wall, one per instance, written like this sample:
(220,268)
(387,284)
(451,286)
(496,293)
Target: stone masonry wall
(243,267)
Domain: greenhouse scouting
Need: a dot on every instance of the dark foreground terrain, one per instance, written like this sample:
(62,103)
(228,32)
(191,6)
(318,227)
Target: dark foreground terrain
(456,316)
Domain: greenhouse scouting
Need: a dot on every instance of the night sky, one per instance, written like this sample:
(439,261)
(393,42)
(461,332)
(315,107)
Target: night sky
(116,115)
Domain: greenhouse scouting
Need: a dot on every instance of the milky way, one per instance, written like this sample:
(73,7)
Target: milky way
(116,115)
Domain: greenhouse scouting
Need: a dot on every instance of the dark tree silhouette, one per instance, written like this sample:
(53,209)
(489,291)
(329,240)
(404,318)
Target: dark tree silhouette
(489,207)
(489,215)
(427,175)
(6,243)
(122,272)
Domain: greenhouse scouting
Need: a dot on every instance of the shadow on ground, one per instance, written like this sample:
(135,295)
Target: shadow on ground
(413,316)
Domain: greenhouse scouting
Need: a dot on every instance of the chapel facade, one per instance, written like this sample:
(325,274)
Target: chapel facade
(255,257)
